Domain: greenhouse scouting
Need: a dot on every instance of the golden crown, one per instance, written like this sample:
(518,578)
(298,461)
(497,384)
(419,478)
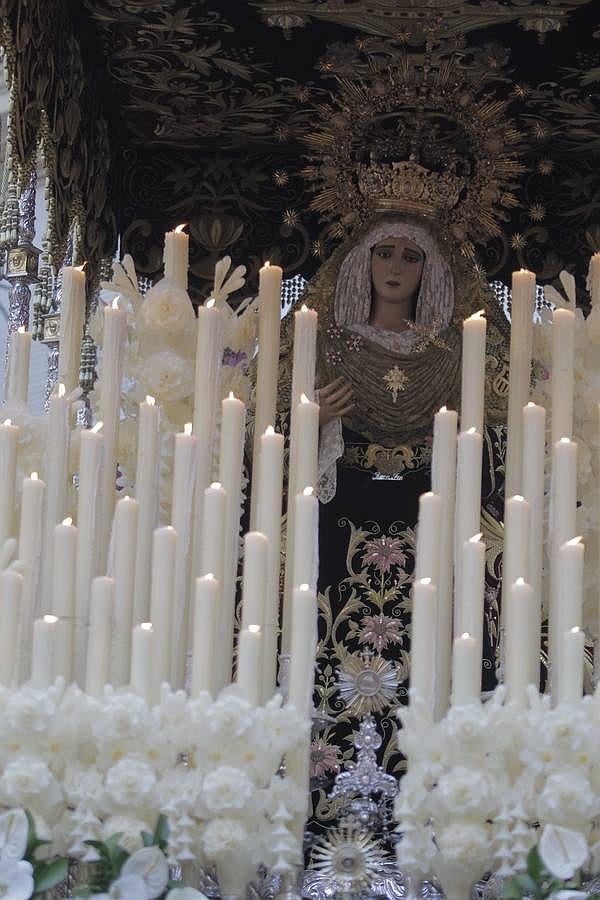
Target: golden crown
(409,187)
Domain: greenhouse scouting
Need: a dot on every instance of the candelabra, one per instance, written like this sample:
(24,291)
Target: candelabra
(21,262)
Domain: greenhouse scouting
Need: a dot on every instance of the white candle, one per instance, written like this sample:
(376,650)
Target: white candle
(11,586)
(468,492)
(72,317)
(572,657)
(306,539)
(563,350)
(471,593)
(466,671)
(594,279)
(424,617)
(268,487)
(427,562)
(63,595)
(256,549)
(184,473)
(123,571)
(164,548)
(175,256)
(109,388)
(230,474)
(146,493)
(516,547)
(521,666)
(534,431)
(209,355)
(562,526)
(443,481)
(249,663)
(205,634)
(17,375)
(473,372)
(302,649)
(267,369)
(9,435)
(567,613)
(56,470)
(142,661)
(42,652)
(30,548)
(99,637)
(213,534)
(90,460)
(521,333)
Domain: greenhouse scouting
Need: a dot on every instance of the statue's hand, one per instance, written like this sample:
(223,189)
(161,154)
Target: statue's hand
(335,399)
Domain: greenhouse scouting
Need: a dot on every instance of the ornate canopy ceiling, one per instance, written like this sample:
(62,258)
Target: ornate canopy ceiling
(208,104)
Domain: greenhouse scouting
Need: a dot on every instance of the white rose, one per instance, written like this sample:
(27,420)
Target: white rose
(130,782)
(224,836)
(28,782)
(130,830)
(465,791)
(226,788)
(167,376)
(464,842)
(167,309)
(121,717)
(230,717)
(29,710)
(180,788)
(567,799)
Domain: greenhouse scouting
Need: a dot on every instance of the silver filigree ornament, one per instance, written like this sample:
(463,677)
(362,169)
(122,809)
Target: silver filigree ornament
(350,858)
(367,683)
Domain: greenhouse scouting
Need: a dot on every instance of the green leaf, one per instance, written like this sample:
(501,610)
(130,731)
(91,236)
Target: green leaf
(535,866)
(161,832)
(511,890)
(47,875)
(147,839)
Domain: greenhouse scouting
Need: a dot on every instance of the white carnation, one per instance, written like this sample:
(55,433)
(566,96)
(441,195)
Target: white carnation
(567,799)
(167,376)
(465,791)
(121,717)
(130,782)
(225,836)
(225,789)
(230,717)
(167,309)
(29,710)
(464,842)
(28,782)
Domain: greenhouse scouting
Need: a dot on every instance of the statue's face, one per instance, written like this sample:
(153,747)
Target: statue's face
(396,269)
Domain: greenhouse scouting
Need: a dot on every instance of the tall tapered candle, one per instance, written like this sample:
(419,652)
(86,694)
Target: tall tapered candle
(56,467)
(9,435)
(209,356)
(109,387)
(268,521)
(72,316)
(123,571)
(427,562)
(572,658)
(473,372)
(17,376)
(256,549)
(563,507)
(303,648)
(594,279)
(175,256)
(42,651)
(146,493)
(249,662)
(516,546)
(205,634)
(563,350)
(521,332)
(443,481)
(534,430)
(11,586)
(567,612)
(468,491)
(142,661)
(470,593)
(99,637)
(466,671)
(184,473)
(269,318)
(230,474)
(424,617)
(164,549)
(63,595)
(520,665)
(90,460)
(30,548)
(306,538)
(213,537)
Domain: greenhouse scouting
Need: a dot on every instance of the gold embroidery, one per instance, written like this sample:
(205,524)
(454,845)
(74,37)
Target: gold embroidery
(389,462)
(396,381)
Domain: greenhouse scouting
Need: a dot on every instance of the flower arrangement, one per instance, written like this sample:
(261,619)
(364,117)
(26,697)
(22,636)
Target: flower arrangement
(553,868)
(89,768)
(483,781)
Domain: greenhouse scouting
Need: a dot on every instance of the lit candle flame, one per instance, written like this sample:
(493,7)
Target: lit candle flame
(187,428)
(520,580)
(267,264)
(465,634)
(21,329)
(308,491)
(565,440)
(519,498)
(304,587)
(443,409)
(576,540)
(254,629)
(81,267)
(476,538)
(61,390)
(67,521)
(180,228)
(115,303)
(424,580)
(34,476)
(97,427)
(472,430)
(150,400)
(304,398)
(209,576)
(575,630)
(304,308)
(269,430)
(210,303)
(146,626)
(51,620)
(8,421)
(231,395)
(216,485)
(480,314)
